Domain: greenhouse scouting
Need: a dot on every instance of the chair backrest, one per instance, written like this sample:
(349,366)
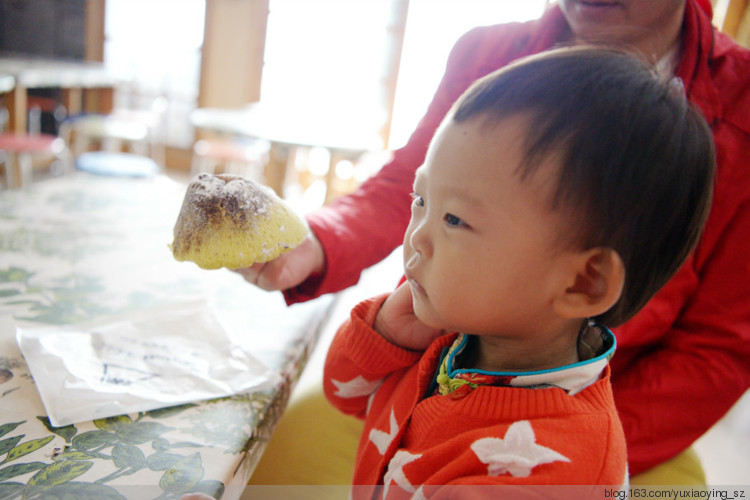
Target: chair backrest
(142,128)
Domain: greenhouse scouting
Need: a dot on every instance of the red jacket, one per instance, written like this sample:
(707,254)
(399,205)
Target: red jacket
(685,358)
(491,435)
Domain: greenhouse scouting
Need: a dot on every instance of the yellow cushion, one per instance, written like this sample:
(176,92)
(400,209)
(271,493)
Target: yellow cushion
(684,469)
(313,444)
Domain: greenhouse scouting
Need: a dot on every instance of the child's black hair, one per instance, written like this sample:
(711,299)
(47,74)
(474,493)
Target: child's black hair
(636,161)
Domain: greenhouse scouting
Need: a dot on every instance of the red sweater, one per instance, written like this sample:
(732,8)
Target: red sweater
(687,353)
(491,435)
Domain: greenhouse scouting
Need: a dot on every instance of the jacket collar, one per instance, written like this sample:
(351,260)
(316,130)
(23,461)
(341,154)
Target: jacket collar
(699,50)
(698,54)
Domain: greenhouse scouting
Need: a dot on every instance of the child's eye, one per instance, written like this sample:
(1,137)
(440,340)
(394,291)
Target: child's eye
(452,220)
(417,200)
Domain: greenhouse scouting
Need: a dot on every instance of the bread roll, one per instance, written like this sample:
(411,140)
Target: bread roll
(233,222)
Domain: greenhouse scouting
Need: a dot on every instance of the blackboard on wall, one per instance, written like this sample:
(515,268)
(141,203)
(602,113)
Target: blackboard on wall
(51,29)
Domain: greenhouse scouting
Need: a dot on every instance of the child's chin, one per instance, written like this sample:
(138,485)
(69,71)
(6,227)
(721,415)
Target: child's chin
(428,316)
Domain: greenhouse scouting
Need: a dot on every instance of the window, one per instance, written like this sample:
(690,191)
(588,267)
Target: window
(328,56)
(335,53)
(432,27)
(155,46)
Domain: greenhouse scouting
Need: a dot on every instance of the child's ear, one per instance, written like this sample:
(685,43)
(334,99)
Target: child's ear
(594,284)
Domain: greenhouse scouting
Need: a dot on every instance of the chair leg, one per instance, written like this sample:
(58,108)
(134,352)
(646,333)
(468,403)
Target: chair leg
(35,120)
(6,169)
(80,143)
(67,160)
(26,168)
(10,171)
(111,144)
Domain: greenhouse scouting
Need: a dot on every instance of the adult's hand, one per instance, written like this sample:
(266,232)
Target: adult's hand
(288,269)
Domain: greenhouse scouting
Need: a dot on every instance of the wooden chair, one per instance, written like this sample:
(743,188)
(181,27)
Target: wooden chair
(19,151)
(137,130)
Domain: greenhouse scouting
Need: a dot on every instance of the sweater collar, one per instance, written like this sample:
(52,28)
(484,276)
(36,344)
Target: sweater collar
(571,378)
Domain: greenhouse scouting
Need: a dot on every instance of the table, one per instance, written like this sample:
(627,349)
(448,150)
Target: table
(291,126)
(81,247)
(85,85)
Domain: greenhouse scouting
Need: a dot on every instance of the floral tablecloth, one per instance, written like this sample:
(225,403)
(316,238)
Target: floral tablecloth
(81,247)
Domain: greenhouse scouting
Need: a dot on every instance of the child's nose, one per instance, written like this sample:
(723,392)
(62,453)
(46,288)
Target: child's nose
(420,237)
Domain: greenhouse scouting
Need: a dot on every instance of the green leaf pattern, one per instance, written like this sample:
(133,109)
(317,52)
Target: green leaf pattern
(20,469)
(66,432)
(8,444)
(126,455)
(117,441)
(6,428)
(59,473)
(183,475)
(26,448)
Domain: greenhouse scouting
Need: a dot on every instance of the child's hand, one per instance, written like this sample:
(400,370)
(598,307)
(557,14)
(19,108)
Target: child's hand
(398,324)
